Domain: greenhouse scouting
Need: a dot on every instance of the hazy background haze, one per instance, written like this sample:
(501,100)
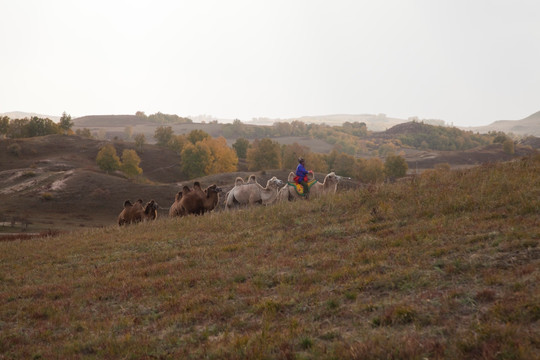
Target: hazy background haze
(465,62)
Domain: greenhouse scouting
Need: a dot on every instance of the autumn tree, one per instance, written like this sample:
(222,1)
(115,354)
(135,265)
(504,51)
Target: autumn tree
(65,123)
(264,154)
(344,164)
(197,135)
(195,159)
(316,162)
(107,159)
(241,146)
(140,140)
(128,132)
(290,154)
(508,146)
(163,135)
(177,143)
(395,166)
(369,170)
(130,163)
(222,158)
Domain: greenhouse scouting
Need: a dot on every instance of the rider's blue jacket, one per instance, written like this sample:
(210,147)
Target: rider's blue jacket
(301,172)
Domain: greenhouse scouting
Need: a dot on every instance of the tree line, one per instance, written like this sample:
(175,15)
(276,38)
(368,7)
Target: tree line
(354,138)
(34,126)
(203,155)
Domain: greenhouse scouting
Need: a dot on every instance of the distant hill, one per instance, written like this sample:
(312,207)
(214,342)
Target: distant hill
(373,122)
(108,120)
(527,126)
(22,115)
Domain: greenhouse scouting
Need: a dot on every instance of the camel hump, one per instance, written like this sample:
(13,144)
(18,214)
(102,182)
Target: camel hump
(252,179)
(197,184)
(186,189)
(239,181)
(178,196)
(127,203)
(140,201)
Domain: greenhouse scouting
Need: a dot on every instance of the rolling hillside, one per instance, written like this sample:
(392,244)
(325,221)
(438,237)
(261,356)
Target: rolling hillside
(53,182)
(444,266)
(527,126)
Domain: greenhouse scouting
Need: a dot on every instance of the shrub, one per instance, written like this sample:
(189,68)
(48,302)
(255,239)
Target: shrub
(14,149)
(46,196)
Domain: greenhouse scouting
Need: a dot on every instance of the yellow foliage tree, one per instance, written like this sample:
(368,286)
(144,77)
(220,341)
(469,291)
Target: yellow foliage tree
(291,153)
(130,163)
(107,159)
(222,158)
(369,170)
(264,154)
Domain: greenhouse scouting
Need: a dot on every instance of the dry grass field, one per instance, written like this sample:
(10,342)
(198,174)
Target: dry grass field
(444,265)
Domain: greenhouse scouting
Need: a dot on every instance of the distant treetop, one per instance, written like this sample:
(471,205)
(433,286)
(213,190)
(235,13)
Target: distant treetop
(160,118)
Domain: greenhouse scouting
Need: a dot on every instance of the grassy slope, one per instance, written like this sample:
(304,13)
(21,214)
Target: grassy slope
(445,266)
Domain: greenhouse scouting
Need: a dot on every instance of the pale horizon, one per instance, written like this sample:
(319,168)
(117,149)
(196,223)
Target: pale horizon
(466,63)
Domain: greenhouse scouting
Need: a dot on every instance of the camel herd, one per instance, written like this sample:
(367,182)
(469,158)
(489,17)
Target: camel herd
(244,193)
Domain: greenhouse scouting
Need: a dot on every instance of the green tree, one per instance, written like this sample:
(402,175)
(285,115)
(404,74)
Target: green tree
(395,166)
(195,160)
(107,159)
(140,140)
(197,135)
(163,135)
(85,132)
(241,146)
(4,125)
(264,154)
(41,127)
(18,128)
(130,163)
(65,123)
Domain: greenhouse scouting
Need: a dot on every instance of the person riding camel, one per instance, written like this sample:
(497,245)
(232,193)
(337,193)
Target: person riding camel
(301,175)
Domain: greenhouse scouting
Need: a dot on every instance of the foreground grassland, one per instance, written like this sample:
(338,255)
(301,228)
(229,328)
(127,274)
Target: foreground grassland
(444,266)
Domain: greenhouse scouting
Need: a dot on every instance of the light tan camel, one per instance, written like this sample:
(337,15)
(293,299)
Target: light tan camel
(329,186)
(134,213)
(252,192)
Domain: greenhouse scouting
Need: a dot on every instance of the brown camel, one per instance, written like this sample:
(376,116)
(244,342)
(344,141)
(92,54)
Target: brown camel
(134,213)
(196,201)
(175,209)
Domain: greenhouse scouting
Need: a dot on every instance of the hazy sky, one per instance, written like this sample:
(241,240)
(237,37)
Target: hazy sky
(467,62)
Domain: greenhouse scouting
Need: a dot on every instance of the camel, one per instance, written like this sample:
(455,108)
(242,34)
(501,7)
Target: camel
(239,181)
(134,213)
(195,201)
(329,186)
(252,192)
(175,209)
